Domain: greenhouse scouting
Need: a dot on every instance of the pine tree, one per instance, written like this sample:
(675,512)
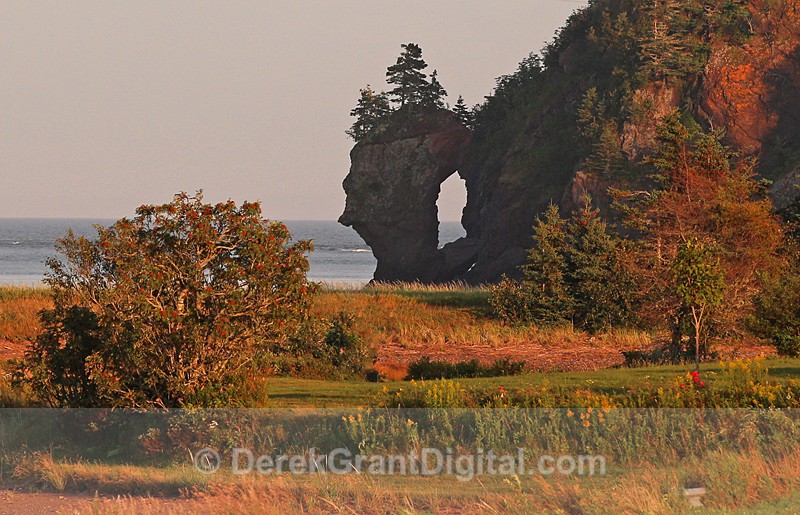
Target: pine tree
(607,158)
(545,273)
(598,282)
(433,94)
(406,74)
(371,112)
(462,111)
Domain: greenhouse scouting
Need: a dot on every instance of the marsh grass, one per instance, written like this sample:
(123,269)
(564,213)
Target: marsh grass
(445,318)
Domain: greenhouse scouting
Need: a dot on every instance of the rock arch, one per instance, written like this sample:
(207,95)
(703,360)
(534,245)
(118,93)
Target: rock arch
(392,188)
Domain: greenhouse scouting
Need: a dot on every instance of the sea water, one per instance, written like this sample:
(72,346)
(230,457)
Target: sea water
(340,255)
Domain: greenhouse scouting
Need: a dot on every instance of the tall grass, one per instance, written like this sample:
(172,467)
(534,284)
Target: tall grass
(12,292)
(733,480)
(19,308)
(444,323)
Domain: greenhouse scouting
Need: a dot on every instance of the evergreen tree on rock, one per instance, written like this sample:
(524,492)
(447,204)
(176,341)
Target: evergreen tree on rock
(410,82)
(434,92)
(371,112)
(462,111)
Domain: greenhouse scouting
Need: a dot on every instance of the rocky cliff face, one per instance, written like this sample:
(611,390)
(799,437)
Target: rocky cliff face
(392,188)
(531,145)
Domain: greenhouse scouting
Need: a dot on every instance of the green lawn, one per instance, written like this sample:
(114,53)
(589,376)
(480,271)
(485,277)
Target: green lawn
(287,392)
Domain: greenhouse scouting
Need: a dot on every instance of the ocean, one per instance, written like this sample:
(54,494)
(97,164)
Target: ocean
(340,255)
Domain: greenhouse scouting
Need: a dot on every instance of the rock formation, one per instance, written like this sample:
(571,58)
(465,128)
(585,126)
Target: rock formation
(530,149)
(392,188)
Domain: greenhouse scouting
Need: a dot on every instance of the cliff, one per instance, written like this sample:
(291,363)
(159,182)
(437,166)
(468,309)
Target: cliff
(582,117)
(392,188)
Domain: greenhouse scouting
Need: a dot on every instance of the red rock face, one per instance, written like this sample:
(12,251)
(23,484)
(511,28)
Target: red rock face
(752,91)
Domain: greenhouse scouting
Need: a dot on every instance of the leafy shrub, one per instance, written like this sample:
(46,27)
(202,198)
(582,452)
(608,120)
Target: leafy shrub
(322,349)
(777,314)
(425,369)
(174,307)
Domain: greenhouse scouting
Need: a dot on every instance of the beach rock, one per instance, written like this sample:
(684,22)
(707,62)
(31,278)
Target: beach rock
(392,188)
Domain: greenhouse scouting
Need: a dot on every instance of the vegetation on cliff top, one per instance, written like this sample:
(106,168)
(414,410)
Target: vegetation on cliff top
(413,92)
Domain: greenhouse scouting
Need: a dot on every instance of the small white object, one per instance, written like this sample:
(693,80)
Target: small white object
(693,495)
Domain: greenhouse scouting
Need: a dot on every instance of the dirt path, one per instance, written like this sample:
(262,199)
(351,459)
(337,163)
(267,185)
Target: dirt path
(41,503)
(30,503)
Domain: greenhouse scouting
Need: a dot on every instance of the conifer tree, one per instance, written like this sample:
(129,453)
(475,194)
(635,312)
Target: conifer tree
(407,76)
(371,112)
(462,111)
(545,274)
(433,94)
(598,282)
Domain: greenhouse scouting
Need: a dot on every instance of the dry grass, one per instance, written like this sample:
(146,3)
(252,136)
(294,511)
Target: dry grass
(404,322)
(19,322)
(404,325)
(733,481)
(41,471)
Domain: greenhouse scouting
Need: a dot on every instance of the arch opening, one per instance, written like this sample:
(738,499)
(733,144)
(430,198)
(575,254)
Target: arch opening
(450,206)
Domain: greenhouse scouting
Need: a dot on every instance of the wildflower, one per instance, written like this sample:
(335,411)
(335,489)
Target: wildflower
(570,413)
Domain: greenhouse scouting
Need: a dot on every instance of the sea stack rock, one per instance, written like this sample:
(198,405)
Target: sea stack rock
(394,181)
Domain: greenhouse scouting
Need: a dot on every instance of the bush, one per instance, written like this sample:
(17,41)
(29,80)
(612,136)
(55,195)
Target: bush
(323,349)
(175,307)
(777,314)
(426,369)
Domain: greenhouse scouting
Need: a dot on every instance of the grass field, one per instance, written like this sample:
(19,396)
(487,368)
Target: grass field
(403,323)
(747,483)
(293,393)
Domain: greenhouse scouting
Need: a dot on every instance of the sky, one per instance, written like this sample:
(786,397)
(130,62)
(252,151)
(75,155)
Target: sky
(105,106)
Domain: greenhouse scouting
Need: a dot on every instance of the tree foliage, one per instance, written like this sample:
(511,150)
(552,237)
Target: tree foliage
(698,284)
(413,92)
(410,83)
(576,273)
(173,307)
(464,114)
(371,113)
(702,192)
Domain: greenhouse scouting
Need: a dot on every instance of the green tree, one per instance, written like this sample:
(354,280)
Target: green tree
(777,312)
(575,273)
(545,274)
(372,112)
(433,94)
(699,284)
(406,74)
(599,283)
(607,158)
(174,307)
(463,112)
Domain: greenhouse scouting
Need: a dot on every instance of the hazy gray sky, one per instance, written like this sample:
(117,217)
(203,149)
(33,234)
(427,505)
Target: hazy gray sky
(108,105)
